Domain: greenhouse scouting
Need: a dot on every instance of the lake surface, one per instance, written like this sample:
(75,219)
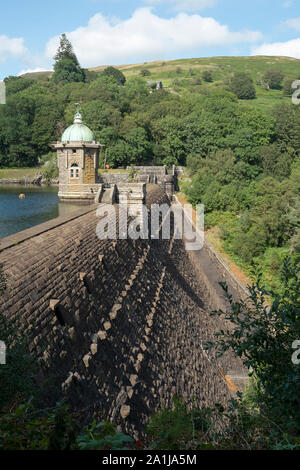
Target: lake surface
(41,203)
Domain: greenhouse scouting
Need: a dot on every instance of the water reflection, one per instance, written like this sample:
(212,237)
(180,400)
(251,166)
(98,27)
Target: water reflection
(40,204)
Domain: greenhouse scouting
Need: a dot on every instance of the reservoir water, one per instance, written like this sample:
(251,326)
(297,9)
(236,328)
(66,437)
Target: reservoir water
(41,203)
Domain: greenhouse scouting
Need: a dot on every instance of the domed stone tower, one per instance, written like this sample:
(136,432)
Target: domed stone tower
(77,160)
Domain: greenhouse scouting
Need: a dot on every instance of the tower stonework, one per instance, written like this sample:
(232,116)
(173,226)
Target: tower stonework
(78,161)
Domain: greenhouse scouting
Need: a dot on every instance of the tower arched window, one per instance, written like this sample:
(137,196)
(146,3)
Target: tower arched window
(74,171)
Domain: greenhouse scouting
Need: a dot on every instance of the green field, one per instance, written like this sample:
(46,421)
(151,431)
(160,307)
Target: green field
(18,173)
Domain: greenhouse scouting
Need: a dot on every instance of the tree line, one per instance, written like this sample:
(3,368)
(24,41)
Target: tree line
(248,178)
(244,161)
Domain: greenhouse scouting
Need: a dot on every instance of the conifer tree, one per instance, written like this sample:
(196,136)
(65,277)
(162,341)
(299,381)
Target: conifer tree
(66,67)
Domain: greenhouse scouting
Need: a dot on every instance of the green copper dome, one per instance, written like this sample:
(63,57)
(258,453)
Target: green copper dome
(78,132)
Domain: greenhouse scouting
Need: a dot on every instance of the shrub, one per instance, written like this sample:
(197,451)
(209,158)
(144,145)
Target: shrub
(248,245)
(243,86)
(102,436)
(262,336)
(207,76)
(116,73)
(196,81)
(178,428)
(274,79)
(50,169)
(287,87)
(24,428)
(145,73)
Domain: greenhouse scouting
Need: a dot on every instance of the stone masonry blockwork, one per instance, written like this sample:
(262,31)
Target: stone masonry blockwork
(117,326)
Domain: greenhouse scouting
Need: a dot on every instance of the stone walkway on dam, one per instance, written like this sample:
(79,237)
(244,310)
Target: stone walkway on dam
(117,326)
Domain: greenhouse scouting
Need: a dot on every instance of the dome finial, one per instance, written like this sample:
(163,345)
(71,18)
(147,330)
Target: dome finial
(78,117)
(78,132)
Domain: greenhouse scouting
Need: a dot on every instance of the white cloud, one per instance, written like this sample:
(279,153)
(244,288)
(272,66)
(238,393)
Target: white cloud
(287,49)
(293,23)
(145,37)
(33,71)
(185,5)
(11,48)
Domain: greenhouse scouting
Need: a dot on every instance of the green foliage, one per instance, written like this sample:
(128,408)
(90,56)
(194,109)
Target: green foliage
(90,75)
(176,126)
(65,50)
(265,416)
(145,73)
(263,223)
(50,169)
(250,168)
(25,428)
(102,436)
(219,218)
(16,84)
(136,91)
(178,428)
(274,79)
(16,121)
(275,162)
(66,67)
(243,86)
(294,221)
(262,336)
(242,159)
(287,126)
(287,87)
(66,70)
(132,173)
(241,425)
(196,81)
(207,76)
(116,73)
(134,148)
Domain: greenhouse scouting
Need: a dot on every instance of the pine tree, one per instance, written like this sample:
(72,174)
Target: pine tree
(66,67)
(65,50)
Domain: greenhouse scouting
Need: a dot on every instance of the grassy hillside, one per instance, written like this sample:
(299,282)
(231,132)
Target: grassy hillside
(254,65)
(181,75)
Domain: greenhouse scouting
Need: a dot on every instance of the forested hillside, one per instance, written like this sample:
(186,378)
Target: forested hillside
(231,121)
(249,182)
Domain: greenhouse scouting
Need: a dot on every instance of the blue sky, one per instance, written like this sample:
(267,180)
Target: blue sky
(122,32)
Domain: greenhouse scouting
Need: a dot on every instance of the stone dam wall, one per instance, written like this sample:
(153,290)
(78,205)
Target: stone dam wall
(116,327)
